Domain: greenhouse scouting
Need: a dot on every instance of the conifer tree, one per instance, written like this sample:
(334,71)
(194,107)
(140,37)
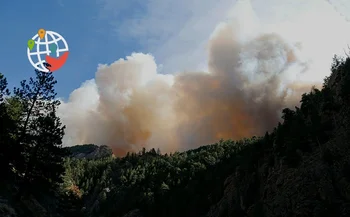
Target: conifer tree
(6,128)
(40,134)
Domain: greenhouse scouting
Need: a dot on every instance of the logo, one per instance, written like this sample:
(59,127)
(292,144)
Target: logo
(47,51)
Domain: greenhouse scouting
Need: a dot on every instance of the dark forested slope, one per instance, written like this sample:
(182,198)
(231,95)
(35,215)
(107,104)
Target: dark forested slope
(304,171)
(301,168)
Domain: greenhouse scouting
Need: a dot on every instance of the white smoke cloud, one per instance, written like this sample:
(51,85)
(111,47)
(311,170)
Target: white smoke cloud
(256,67)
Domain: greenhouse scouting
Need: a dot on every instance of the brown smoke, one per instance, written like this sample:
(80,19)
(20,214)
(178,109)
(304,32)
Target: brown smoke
(226,103)
(129,105)
(136,107)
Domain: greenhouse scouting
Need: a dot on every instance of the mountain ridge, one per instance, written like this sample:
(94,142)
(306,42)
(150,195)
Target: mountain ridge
(89,151)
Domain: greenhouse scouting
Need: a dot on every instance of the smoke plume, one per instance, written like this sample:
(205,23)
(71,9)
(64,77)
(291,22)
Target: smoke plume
(251,77)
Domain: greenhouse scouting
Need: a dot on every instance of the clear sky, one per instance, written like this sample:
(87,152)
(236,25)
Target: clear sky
(83,23)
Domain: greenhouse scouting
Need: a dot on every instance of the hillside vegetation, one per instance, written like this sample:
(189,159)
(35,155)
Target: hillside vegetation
(301,168)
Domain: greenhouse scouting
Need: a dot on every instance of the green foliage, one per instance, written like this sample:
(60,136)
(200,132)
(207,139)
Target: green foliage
(30,144)
(8,128)
(6,210)
(40,133)
(148,180)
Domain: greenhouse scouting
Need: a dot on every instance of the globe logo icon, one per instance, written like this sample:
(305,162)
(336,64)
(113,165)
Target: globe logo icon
(47,51)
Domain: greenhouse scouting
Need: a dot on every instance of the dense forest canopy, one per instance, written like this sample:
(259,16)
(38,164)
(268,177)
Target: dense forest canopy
(301,168)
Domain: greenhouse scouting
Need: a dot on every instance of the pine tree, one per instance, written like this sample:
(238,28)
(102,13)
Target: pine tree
(7,127)
(40,134)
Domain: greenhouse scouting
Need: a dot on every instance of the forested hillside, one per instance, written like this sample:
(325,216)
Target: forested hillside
(89,151)
(301,168)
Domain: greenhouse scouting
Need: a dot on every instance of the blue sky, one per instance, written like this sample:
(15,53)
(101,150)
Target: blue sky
(103,31)
(87,25)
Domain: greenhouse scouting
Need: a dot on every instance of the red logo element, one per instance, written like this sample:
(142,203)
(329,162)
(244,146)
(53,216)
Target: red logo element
(56,63)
